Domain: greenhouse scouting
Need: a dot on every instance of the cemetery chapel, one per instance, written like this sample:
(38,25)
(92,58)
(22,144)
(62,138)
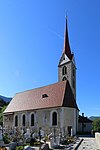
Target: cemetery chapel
(51,107)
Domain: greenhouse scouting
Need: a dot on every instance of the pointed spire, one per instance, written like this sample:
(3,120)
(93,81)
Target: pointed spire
(66,49)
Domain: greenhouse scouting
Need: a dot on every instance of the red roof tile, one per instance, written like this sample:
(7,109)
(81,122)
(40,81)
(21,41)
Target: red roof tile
(33,99)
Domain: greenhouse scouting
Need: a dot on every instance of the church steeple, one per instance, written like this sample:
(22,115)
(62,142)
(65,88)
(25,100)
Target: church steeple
(67,67)
(66,49)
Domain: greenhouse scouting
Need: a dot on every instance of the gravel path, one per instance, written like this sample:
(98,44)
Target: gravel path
(88,144)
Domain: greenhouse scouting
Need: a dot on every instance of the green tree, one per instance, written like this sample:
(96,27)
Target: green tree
(96,125)
(1,114)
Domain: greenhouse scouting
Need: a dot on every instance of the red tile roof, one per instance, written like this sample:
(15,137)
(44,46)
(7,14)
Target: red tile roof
(58,94)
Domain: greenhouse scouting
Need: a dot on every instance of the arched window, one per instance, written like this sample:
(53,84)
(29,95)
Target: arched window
(64,70)
(54,118)
(16,121)
(64,78)
(32,119)
(23,120)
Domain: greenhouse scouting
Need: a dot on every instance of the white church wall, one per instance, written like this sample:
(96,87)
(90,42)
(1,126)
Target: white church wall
(8,121)
(43,118)
(70,119)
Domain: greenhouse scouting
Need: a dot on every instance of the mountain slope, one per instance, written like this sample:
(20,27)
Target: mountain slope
(6,99)
(94,117)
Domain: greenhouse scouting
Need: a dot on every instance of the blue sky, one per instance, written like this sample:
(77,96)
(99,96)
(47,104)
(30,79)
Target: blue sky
(31,44)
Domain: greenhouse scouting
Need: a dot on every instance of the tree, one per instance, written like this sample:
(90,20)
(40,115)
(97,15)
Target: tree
(1,114)
(96,125)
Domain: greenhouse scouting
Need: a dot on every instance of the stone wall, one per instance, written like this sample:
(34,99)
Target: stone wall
(66,118)
(97,137)
(8,121)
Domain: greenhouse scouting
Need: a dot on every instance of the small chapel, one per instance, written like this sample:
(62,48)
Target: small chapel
(52,107)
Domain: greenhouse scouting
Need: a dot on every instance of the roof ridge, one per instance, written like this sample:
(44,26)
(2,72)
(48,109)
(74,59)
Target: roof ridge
(41,87)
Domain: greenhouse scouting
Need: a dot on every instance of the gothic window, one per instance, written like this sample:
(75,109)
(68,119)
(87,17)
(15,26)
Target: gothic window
(16,121)
(32,119)
(64,70)
(64,78)
(54,118)
(23,120)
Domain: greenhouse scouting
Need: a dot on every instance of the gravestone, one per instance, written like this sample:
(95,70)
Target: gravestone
(71,132)
(1,138)
(52,142)
(45,147)
(41,133)
(28,148)
(27,135)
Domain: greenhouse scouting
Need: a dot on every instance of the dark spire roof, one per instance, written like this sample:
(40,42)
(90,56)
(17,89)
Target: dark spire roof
(66,49)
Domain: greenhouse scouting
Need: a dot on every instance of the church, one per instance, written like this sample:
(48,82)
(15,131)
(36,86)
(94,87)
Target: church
(52,107)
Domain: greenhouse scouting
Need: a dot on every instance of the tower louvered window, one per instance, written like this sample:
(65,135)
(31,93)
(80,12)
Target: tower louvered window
(64,70)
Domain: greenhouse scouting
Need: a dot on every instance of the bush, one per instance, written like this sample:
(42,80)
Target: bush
(32,142)
(70,140)
(96,125)
(37,143)
(19,148)
(6,139)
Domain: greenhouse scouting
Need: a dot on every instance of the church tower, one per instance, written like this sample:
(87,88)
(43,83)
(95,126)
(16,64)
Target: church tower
(67,67)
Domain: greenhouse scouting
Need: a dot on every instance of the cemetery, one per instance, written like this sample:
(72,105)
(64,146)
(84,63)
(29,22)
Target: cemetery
(28,140)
